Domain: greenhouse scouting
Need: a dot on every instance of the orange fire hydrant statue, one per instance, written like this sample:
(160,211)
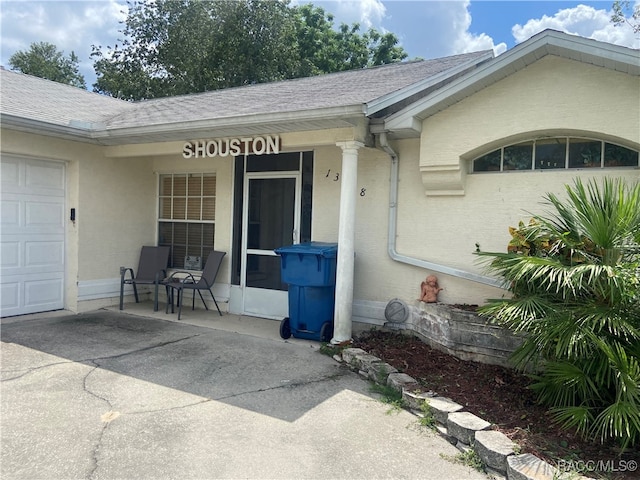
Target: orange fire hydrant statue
(429,290)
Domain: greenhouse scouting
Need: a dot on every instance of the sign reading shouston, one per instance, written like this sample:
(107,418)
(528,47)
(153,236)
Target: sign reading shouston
(225,147)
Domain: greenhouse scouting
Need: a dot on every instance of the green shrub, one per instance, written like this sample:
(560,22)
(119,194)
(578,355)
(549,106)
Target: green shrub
(574,275)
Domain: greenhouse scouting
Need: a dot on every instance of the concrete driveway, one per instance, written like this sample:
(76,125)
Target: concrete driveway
(110,395)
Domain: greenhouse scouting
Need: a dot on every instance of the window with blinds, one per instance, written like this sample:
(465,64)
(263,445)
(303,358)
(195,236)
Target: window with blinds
(187,214)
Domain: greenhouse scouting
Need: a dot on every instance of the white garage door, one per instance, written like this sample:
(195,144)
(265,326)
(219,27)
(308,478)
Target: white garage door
(31,236)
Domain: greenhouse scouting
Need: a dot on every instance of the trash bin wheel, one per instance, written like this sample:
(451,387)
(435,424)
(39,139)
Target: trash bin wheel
(326,332)
(285,328)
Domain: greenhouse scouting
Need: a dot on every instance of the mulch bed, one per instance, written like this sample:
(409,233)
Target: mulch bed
(500,396)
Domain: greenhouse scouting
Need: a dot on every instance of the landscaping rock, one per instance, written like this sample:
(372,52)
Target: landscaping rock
(416,400)
(464,425)
(402,382)
(493,448)
(441,407)
(364,362)
(529,467)
(379,371)
(349,355)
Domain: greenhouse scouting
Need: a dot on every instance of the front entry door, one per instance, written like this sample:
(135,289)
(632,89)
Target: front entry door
(271,219)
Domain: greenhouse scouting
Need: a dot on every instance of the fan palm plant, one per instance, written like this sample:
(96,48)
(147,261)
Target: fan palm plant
(574,275)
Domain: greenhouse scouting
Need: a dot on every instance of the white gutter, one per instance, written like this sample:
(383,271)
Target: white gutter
(393,227)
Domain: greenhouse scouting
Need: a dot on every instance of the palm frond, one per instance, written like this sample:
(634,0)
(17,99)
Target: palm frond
(574,275)
(579,417)
(620,420)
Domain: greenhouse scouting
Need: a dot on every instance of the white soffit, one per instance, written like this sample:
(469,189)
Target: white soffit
(613,57)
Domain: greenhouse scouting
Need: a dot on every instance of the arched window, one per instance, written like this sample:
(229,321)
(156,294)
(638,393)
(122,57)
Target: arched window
(557,152)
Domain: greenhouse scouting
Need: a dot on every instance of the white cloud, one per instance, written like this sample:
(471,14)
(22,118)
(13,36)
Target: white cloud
(474,43)
(465,42)
(367,13)
(582,20)
(442,28)
(69,25)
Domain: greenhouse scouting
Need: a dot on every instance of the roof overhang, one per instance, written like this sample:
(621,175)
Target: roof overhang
(274,123)
(38,127)
(408,95)
(407,123)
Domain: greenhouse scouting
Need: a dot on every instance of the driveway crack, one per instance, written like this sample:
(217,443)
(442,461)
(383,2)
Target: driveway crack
(292,385)
(110,415)
(22,372)
(144,349)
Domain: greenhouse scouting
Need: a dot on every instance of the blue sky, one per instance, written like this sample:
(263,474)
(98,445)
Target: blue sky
(426,28)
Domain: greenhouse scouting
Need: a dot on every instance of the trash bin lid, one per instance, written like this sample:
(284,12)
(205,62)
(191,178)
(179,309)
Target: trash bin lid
(326,249)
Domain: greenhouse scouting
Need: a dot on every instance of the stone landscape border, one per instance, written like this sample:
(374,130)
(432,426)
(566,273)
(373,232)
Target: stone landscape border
(463,429)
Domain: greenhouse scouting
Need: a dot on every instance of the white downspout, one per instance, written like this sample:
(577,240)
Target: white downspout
(393,226)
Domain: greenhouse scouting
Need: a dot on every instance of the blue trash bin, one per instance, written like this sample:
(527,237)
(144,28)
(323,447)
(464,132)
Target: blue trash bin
(310,271)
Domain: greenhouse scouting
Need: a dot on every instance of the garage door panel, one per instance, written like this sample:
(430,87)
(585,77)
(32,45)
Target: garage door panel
(28,257)
(32,296)
(36,177)
(43,216)
(44,255)
(41,175)
(10,212)
(10,255)
(10,170)
(30,214)
(10,292)
(43,292)
(32,237)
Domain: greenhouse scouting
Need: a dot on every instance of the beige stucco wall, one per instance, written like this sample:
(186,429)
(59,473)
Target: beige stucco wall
(116,214)
(550,97)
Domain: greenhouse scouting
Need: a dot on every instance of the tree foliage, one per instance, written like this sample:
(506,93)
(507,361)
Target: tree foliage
(575,279)
(323,49)
(175,47)
(620,8)
(44,60)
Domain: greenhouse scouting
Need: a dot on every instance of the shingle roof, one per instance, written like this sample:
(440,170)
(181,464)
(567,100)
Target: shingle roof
(55,103)
(355,87)
(33,98)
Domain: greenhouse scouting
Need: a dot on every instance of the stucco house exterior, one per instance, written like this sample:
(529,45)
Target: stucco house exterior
(406,166)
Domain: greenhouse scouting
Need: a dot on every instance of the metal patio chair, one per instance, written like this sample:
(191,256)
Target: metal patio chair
(152,270)
(181,281)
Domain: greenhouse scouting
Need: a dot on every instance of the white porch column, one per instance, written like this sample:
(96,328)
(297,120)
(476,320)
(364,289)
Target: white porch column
(346,240)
